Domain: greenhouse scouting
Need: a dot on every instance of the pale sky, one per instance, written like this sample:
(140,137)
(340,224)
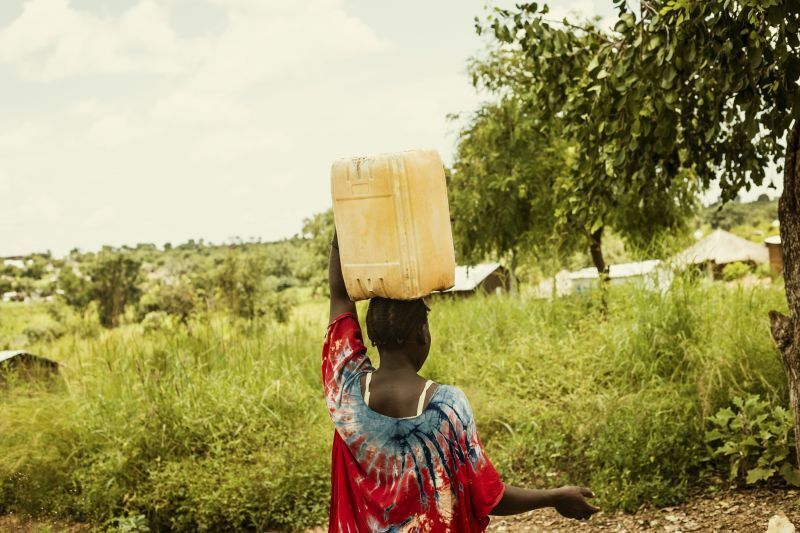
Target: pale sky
(126,121)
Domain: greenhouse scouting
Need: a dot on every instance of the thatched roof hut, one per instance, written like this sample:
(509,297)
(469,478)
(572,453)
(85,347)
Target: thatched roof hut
(720,248)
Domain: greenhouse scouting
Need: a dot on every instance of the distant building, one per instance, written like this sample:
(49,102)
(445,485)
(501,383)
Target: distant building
(720,248)
(14,261)
(490,278)
(558,285)
(13,296)
(27,364)
(647,273)
(775,250)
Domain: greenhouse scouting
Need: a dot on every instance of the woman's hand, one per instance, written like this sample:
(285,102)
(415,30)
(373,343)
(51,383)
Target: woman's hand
(571,502)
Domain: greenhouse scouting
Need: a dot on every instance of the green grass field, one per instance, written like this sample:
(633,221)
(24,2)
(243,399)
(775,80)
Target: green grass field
(222,425)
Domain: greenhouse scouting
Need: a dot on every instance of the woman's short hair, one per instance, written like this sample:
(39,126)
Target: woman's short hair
(395,321)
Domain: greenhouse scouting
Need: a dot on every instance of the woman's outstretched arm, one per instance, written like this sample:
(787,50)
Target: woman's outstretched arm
(340,301)
(568,501)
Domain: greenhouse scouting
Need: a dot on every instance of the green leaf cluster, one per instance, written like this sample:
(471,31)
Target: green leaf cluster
(676,96)
(504,178)
(115,279)
(753,441)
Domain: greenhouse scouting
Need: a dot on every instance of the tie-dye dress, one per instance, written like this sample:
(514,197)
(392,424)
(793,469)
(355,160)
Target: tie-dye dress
(425,473)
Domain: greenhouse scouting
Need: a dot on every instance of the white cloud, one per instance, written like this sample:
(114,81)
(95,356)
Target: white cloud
(52,40)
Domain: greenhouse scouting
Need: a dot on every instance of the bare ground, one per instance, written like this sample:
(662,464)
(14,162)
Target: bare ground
(729,511)
(745,511)
(17,524)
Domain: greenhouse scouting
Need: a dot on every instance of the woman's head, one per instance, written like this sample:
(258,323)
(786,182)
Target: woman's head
(399,325)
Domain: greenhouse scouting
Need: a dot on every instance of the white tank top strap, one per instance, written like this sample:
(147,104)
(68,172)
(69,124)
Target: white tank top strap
(421,401)
(366,389)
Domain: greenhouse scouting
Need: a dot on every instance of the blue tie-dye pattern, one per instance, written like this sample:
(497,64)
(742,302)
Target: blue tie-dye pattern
(370,434)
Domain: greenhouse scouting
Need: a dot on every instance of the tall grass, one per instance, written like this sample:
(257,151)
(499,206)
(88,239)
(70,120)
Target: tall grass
(223,426)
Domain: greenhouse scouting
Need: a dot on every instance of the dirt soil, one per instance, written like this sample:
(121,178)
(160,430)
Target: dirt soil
(731,511)
(16,524)
(746,511)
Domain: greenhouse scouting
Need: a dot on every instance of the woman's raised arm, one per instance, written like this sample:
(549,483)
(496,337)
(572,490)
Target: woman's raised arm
(340,301)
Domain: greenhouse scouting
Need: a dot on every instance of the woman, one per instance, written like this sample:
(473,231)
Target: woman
(406,454)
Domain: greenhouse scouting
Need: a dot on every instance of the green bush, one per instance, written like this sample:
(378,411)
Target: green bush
(753,441)
(647,450)
(178,299)
(736,270)
(155,321)
(43,329)
(764,270)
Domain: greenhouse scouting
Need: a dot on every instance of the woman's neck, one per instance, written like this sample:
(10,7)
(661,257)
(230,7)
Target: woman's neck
(396,363)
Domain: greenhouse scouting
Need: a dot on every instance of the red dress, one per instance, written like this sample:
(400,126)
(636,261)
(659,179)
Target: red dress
(424,473)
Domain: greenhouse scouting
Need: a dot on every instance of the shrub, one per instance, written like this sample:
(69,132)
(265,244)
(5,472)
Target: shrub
(753,441)
(736,270)
(155,321)
(43,329)
(764,270)
(178,299)
(646,450)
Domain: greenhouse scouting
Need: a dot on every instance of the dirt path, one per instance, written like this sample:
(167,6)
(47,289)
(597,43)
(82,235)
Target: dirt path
(15,524)
(745,511)
(733,511)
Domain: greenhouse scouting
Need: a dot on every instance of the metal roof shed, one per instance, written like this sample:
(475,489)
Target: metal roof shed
(488,277)
(27,363)
(651,274)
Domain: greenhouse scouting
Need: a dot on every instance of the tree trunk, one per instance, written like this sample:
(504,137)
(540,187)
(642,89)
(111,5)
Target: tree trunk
(512,268)
(596,251)
(786,329)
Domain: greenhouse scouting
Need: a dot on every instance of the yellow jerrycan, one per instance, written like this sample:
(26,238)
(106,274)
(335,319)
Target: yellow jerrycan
(393,225)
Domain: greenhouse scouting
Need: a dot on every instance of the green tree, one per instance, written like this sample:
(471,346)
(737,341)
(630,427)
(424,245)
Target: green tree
(115,280)
(502,185)
(76,289)
(36,266)
(247,288)
(684,92)
(587,196)
(317,233)
(178,298)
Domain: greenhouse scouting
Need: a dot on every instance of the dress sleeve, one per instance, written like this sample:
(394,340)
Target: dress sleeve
(486,487)
(343,357)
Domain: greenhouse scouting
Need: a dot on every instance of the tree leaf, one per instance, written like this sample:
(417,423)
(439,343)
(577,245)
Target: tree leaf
(790,474)
(754,475)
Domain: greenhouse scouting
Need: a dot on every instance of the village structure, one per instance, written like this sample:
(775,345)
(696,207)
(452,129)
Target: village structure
(709,256)
(489,278)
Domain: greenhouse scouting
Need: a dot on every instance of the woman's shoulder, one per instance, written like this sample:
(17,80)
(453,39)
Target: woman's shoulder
(453,397)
